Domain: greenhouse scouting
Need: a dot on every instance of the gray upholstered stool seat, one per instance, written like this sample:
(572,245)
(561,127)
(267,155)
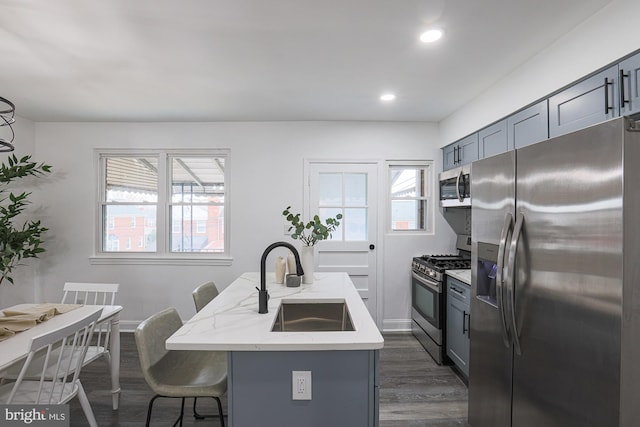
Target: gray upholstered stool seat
(178,374)
(203,294)
(192,373)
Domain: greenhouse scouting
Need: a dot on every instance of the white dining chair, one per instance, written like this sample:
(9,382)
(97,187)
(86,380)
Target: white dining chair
(94,294)
(58,356)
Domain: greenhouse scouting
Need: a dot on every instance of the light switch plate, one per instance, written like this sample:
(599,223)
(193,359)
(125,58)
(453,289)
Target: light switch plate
(301,385)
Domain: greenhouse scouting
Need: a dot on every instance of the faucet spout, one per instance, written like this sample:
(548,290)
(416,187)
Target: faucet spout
(263,296)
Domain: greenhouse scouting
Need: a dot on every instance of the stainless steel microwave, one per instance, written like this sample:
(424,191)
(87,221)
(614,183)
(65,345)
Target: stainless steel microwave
(455,187)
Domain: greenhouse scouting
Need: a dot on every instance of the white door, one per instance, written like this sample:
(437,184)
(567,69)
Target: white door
(349,189)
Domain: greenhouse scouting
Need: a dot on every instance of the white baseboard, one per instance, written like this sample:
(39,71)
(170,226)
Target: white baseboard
(396,325)
(129,325)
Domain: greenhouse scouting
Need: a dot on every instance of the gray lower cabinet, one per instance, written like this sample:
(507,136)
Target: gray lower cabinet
(492,140)
(344,388)
(629,77)
(586,103)
(458,321)
(528,126)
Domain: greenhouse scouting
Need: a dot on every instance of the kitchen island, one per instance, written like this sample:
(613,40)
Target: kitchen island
(342,365)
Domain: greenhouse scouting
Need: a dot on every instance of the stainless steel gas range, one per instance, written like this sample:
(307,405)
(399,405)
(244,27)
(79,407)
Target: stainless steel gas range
(428,297)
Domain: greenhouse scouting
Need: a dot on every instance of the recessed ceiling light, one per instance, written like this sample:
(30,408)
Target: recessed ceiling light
(430,36)
(387,97)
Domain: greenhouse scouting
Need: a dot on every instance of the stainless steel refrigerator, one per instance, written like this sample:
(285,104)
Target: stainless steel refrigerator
(555,315)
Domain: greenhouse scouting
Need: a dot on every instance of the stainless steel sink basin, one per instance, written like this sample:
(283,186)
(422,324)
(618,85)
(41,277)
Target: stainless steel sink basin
(313,316)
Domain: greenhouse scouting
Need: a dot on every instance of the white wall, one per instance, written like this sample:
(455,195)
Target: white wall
(610,34)
(266,167)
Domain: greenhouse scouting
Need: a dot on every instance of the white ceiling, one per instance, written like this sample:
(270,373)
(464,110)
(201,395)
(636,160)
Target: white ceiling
(210,60)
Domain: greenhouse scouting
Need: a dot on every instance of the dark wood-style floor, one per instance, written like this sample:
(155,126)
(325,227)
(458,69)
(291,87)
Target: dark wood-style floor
(414,391)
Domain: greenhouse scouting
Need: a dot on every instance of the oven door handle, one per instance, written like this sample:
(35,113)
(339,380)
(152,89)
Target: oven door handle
(430,284)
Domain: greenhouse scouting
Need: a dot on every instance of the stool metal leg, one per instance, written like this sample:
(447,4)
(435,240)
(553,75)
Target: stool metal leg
(199,416)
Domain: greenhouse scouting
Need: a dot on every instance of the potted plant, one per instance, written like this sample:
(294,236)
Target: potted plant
(309,234)
(18,239)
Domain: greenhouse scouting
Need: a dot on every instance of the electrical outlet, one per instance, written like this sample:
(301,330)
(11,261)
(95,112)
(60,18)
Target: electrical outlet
(301,385)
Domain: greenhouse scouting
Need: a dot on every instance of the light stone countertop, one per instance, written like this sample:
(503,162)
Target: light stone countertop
(462,275)
(231,321)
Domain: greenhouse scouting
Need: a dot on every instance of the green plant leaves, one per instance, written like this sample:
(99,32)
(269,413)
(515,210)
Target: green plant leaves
(313,231)
(18,242)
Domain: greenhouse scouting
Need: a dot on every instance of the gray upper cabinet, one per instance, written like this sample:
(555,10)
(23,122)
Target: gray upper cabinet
(460,152)
(468,149)
(450,156)
(528,126)
(586,103)
(629,76)
(606,94)
(493,139)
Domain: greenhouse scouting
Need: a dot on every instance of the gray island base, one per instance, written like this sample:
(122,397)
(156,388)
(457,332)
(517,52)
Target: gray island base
(296,379)
(344,388)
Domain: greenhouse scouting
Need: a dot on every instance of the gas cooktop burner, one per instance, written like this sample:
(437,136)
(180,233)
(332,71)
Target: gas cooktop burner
(437,258)
(443,262)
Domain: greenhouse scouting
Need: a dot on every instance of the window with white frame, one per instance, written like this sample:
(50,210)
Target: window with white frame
(410,200)
(172,195)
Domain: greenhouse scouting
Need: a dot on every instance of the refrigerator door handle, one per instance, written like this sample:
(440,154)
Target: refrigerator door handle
(506,229)
(517,232)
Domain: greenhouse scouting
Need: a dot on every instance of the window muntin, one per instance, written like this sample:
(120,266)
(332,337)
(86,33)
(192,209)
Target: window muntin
(167,202)
(409,197)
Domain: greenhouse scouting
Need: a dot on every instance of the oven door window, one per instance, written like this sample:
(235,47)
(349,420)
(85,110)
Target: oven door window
(448,188)
(426,301)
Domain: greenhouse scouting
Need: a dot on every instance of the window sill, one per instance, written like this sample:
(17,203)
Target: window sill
(147,259)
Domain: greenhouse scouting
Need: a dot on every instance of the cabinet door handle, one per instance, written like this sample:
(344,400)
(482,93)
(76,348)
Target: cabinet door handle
(469,325)
(622,94)
(455,155)
(606,96)
(464,322)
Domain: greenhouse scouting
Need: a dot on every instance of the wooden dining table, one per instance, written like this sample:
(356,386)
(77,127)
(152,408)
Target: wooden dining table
(16,348)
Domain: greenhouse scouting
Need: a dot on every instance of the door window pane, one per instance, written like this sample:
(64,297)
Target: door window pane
(330,189)
(355,188)
(355,224)
(325,213)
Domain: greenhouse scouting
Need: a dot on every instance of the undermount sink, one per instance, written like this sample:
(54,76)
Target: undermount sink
(313,316)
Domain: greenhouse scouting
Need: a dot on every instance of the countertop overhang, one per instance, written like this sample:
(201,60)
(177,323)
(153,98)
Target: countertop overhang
(462,275)
(231,321)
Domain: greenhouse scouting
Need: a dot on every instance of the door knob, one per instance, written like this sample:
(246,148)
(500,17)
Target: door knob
(372,247)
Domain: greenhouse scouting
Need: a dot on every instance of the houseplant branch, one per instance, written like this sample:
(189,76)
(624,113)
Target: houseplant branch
(18,240)
(313,231)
